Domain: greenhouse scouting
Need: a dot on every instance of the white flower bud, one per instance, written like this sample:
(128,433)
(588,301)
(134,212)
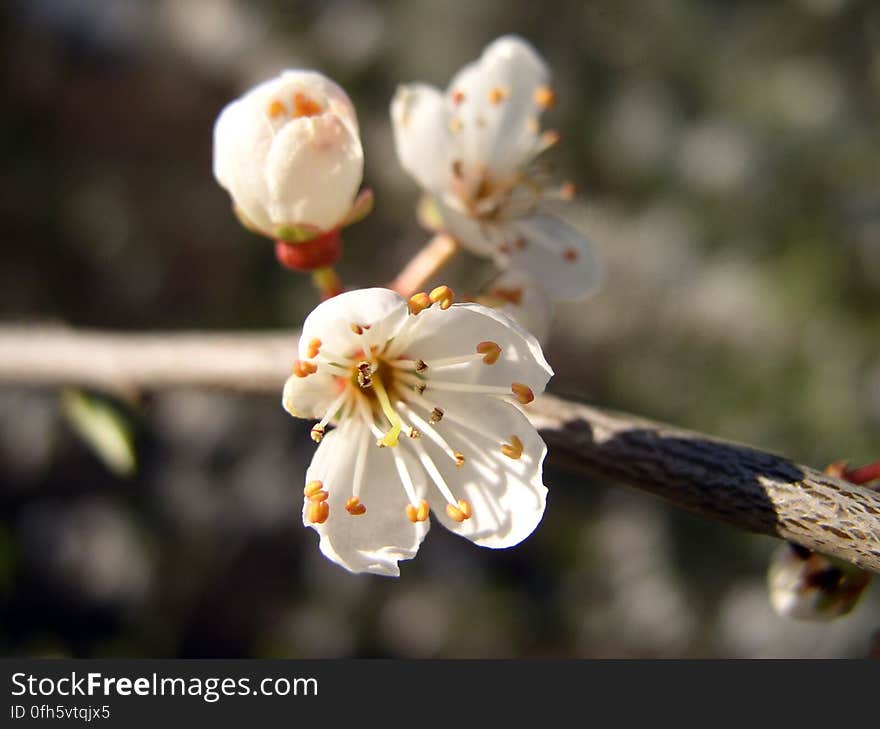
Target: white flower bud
(289,154)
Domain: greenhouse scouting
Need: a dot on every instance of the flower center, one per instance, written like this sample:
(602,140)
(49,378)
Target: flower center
(378,380)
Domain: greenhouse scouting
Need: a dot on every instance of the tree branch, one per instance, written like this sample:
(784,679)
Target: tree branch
(747,488)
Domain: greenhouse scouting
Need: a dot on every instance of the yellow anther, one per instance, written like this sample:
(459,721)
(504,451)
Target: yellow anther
(314,348)
(312,487)
(460,512)
(523,393)
(533,126)
(356,328)
(354,506)
(570,255)
(318,512)
(421,365)
(459,458)
(415,433)
(544,97)
(317,433)
(443,295)
(455,125)
(276,109)
(436,415)
(497,95)
(568,190)
(419,302)
(490,351)
(457,97)
(514,449)
(417,513)
(302,368)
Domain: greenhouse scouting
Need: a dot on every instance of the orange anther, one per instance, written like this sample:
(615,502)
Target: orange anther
(312,487)
(460,512)
(497,95)
(490,351)
(313,348)
(436,415)
(457,97)
(419,302)
(356,328)
(318,512)
(521,243)
(443,295)
(567,191)
(459,458)
(319,496)
(354,506)
(305,106)
(510,294)
(544,97)
(276,109)
(523,393)
(455,125)
(514,450)
(570,255)
(417,513)
(458,168)
(304,368)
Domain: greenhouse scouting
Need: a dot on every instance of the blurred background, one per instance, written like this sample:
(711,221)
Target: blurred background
(727,156)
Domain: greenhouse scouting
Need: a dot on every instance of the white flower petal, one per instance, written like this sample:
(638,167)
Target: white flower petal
(556,255)
(376,540)
(382,310)
(507,496)
(497,134)
(239,137)
(309,397)
(420,118)
(478,237)
(326,147)
(436,334)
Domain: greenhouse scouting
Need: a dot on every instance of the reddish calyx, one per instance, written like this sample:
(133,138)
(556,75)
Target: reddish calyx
(319,252)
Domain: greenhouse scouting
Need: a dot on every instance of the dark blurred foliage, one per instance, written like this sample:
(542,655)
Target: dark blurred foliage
(728,157)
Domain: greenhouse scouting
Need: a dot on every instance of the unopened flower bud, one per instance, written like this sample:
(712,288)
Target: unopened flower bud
(808,586)
(289,153)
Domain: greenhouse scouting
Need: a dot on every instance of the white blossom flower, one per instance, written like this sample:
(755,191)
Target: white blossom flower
(289,153)
(473,149)
(421,394)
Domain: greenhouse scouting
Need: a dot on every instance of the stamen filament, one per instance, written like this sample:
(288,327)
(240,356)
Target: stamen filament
(332,410)
(434,473)
(433,384)
(405,478)
(427,429)
(449,361)
(360,466)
